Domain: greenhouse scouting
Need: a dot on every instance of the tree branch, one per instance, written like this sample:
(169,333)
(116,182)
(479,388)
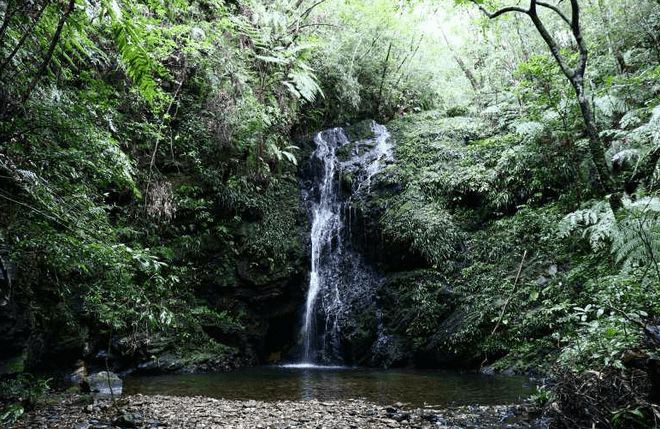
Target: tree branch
(550,41)
(384,75)
(310,9)
(556,10)
(577,33)
(9,14)
(51,50)
(4,63)
(319,24)
(513,291)
(502,11)
(461,64)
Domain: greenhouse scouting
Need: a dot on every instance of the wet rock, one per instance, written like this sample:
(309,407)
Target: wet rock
(542,281)
(509,372)
(362,130)
(105,383)
(487,370)
(128,420)
(400,417)
(653,332)
(431,418)
(165,363)
(79,376)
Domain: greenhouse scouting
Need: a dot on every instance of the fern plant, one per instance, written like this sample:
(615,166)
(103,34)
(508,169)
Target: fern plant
(632,233)
(596,224)
(637,147)
(129,35)
(637,238)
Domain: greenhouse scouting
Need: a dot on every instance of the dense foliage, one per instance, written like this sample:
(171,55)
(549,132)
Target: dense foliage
(149,189)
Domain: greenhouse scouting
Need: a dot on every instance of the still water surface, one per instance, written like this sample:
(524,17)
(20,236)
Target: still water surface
(414,387)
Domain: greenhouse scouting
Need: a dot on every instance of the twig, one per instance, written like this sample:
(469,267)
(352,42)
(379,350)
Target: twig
(508,301)
(506,304)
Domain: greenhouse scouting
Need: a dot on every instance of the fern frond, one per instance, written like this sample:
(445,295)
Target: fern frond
(305,84)
(597,224)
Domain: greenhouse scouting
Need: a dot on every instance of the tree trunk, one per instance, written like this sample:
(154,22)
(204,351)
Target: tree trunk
(464,68)
(614,51)
(596,148)
(382,78)
(468,73)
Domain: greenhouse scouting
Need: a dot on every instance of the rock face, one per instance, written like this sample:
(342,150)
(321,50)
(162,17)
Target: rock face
(199,412)
(341,312)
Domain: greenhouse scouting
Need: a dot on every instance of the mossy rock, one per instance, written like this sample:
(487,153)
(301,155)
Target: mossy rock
(362,130)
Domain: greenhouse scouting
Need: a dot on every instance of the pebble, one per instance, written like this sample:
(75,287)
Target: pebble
(171,412)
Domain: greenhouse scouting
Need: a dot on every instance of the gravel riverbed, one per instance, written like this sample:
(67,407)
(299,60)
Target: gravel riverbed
(138,411)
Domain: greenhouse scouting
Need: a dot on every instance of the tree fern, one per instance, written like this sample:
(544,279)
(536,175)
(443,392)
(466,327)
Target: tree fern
(637,237)
(305,84)
(596,223)
(632,234)
(280,56)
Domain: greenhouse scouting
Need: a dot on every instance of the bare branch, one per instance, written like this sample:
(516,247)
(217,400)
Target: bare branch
(500,12)
(577,33)
(550,41)
(556,10)
(309,10)
(384,75)
(319,24)
(464,68)
(575,15)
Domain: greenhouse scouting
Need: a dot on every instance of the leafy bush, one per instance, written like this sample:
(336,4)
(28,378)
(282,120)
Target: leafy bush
(18,395)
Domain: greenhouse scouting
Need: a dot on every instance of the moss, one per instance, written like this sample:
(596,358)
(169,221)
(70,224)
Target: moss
(360,131)
(14,364)
(454,111)
(272,246)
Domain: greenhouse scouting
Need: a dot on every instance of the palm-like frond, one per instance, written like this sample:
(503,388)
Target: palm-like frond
(637,238)
(633,233)
(597,223)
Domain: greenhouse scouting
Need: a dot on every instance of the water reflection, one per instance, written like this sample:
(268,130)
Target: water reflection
(417,388)
(306,387)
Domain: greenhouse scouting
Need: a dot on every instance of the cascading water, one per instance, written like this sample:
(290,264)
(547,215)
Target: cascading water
(326,223)
(341,282)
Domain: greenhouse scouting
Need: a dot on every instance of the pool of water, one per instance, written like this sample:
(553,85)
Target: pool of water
(413,387)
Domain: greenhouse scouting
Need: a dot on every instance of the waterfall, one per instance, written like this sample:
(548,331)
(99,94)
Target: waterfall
(341,282)
(326,223)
